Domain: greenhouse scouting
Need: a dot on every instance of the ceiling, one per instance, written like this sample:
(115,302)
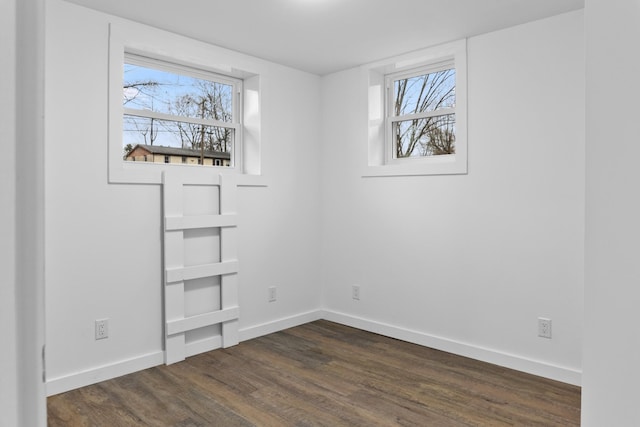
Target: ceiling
(324,36)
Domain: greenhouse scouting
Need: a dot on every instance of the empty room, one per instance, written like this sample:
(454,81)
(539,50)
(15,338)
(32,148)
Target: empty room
(320,212)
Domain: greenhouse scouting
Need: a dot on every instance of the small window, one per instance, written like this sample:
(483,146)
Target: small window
(172,107)
(184,159)
(417,107)
(421,106)
(217,162)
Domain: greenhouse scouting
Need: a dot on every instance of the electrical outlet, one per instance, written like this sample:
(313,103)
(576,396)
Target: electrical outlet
(544,327)
(102,329)
(272,294)
(355,292)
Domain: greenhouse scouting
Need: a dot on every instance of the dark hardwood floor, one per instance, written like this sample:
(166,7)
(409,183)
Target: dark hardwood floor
(321,374)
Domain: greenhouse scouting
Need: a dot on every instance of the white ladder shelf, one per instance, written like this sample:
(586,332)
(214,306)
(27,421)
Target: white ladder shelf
(177,324)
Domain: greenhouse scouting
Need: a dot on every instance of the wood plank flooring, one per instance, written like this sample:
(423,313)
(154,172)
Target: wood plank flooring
(321,374)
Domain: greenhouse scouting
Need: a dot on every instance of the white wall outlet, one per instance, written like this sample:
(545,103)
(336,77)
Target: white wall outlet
(272,294)
(102,329)
(544,327)
(355,292)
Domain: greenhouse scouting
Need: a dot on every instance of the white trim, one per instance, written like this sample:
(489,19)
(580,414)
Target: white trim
(511,361)
(148,114)
(179,274)
(29,180)
(200,221)
(102,373)
(202,346)
(201,320)
(280,325)
(423,115)
(95,375)
(177,323)
(247,180)
(422,67)
(215,74)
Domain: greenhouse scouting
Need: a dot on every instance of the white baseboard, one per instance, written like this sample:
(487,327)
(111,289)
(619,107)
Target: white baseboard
(279,325)
(202,346)
(103,373)
(519,363)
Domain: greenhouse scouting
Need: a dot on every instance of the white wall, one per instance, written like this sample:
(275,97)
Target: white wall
(515,241)
(103,241)
(468,263)
(8,357)
(612,296)
(469,266)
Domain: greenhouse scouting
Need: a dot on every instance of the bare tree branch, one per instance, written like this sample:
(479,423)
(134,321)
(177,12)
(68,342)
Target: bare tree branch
(427,136)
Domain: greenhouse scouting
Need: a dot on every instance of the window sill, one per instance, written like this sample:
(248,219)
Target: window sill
(152,174)
(245,180)
(390,170)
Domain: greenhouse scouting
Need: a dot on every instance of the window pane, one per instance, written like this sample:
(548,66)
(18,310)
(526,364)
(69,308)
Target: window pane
(179,95)
(427,92)
(431,136)
(156,139)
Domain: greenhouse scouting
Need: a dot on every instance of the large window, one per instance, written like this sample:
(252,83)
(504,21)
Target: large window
(173,112)
(175,103)
(421,112)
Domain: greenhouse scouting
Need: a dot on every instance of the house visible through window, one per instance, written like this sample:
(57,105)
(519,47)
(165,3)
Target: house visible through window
(176,114)
(421,112)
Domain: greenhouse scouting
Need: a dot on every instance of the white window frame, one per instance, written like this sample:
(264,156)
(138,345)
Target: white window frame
(391,118)
(236,84)
(162,47)
(380,159)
